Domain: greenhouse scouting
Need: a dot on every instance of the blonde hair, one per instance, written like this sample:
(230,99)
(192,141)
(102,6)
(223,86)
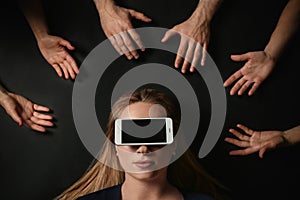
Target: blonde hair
(100,176)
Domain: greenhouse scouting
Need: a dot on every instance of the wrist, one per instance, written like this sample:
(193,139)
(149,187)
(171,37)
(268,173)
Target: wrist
(40,35)
(206,9)
(287,141)
(270,56)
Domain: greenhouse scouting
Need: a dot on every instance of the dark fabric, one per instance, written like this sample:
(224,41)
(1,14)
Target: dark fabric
(114,193)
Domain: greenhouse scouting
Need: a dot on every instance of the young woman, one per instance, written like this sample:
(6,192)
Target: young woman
(182,179)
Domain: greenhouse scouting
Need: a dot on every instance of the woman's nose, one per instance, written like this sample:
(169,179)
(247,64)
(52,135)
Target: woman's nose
(143,149)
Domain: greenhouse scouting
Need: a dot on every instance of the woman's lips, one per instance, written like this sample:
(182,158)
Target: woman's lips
(143,164)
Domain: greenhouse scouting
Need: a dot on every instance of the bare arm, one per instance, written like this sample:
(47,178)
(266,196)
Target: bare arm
(292,135)
(195,35)
(260,64)
(117,26)
(53,48)
(23,111)
(260,141)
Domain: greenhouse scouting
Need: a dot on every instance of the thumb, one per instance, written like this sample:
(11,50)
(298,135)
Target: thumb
(66,44)
(264,148)
(15,116)
(241,57)
(139,16)
(168,35)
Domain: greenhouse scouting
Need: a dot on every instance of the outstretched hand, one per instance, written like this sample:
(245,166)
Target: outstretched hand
(255,141)
(195,34)
(257,68)
(116,24)
(54,49)
(25,112)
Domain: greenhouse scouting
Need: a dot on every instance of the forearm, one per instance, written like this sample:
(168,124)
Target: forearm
(292,136)
(207,9)
(34,13)
(102,4)
(286,27)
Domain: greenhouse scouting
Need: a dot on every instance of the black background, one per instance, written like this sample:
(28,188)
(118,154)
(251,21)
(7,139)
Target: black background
(40,166)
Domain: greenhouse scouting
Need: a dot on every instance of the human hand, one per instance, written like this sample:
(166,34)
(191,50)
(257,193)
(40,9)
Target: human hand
(257,68)
(116,24)
(24,111)
(54,50)
(255,141)
(195,34)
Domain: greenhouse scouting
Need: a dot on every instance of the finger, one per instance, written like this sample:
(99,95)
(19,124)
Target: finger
(70,69)
(139,16)
(239,135)
(233,78)
(128,43)
(57,69)
(245,129)
(115,45)
(237,142)
(204,52)
(122,46)
(170,33)
(237,86)
(41,122)
(254,88)
(64,69)
(66,44)
(38,128)
(241,57)
(73,64)
(244,88)
(242,152)
(133,34)
(196,58)
(40,108)
(262,151)
(42,116)
(181,52)
(188,56)
(34,126)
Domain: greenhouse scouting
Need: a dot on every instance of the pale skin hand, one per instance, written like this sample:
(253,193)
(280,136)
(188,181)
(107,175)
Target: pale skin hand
(54,49)
(255,141)
(262,63)
(195,33)
(257,68)
(116,24)
(25,112)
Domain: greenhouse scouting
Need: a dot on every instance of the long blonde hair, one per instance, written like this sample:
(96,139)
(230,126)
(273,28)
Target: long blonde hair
(100,176)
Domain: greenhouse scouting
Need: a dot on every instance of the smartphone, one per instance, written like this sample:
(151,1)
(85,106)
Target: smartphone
(144,131)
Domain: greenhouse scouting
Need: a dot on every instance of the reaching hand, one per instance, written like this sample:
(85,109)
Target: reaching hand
(255,141)
(195,34)
(24,111)
(116,24)
(54,50)
(257,68)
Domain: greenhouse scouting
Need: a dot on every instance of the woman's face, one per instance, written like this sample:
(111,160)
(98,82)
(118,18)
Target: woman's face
(144,160)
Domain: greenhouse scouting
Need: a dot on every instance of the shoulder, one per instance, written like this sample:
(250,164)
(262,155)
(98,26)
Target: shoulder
(111,193)
(196,196)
